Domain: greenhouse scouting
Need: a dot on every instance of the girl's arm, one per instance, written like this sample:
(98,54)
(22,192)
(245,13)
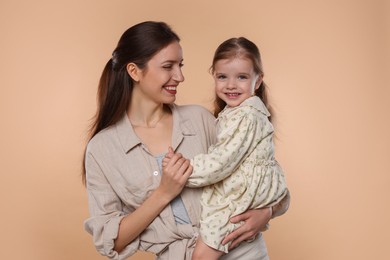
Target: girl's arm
(282,207)
(239,134)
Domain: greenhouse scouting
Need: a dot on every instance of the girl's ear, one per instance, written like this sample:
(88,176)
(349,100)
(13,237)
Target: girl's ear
(258,82)
(133,71)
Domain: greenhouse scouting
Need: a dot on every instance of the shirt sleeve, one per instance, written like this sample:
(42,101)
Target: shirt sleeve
(105,212)
(239,133)
(282,206)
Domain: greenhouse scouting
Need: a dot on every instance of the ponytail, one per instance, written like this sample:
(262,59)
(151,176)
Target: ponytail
(113,97)
(261,92)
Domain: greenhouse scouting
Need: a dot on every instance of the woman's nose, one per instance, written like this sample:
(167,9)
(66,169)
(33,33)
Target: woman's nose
(178,75)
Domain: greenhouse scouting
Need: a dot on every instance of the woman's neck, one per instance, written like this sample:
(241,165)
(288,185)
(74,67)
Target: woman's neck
(153,125)
(146,115)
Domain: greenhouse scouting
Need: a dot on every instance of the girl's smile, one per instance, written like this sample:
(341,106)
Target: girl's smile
(235,80)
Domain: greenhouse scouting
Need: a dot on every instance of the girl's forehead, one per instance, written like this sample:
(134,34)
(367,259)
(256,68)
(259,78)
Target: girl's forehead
(235,62)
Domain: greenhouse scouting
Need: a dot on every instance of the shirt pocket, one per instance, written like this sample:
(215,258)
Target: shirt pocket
(135,193)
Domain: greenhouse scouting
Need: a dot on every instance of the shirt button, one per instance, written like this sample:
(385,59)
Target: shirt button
(155,173)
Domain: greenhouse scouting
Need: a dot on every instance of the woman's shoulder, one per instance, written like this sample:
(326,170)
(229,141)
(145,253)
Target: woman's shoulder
(102,139)
(193,110)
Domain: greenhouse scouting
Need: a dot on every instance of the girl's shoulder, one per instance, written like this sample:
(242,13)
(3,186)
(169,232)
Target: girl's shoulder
(255,103)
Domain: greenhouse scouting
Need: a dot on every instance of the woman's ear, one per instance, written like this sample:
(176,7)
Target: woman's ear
(134,71)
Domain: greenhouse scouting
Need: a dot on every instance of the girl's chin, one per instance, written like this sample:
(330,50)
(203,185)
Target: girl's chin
(232,102)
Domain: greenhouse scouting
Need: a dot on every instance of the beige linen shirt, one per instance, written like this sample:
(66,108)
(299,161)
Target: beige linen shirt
(121,174)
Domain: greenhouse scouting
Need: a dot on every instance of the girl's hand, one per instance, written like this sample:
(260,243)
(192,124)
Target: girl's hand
(255,220)
(176,170)
(167,157)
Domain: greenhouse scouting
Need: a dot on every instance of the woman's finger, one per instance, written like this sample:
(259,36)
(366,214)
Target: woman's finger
(243,235)
(253,221)
(187,173)
(184,166)
(236,235)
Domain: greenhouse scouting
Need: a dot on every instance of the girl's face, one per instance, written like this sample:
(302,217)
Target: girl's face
(235,80)
(159,80)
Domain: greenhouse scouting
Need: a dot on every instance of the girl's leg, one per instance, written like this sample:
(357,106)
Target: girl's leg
(204,252)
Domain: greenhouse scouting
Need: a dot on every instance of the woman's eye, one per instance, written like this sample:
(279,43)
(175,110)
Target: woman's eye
(170,66)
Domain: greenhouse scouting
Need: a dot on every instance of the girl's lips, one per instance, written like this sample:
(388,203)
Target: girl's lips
(170,89)
(232,95)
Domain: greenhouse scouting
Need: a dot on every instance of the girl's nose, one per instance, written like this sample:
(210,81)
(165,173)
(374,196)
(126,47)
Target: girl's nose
(231,84)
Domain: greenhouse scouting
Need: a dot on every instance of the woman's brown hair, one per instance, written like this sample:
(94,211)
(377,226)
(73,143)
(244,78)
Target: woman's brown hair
(137,45)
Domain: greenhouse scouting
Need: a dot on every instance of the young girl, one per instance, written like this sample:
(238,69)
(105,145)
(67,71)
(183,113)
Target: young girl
(239,172)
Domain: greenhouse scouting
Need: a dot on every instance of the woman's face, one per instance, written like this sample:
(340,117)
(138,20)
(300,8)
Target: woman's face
(235,80)
(159,80)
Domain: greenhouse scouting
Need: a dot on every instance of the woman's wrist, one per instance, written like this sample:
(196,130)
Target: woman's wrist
(162,196)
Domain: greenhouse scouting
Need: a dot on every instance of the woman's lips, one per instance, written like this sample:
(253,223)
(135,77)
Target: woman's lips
(171,89)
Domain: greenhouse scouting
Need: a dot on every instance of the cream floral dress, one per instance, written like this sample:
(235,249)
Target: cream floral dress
(239,172)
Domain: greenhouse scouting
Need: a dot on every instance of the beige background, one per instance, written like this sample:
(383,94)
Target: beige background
(327,66)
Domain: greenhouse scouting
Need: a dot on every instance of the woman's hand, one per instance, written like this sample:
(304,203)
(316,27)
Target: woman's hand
(176,170)
(254,221)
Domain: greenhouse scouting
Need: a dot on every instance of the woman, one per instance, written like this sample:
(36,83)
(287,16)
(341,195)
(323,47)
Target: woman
(133,205)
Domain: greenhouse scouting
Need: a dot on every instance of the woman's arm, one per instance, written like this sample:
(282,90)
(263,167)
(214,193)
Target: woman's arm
(173,179)
(255,221)
(112,230)
(133,224)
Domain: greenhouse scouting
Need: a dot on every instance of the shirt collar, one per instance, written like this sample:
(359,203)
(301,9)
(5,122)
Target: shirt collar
(181,126)
(128,138)
(256,103)
(126,134)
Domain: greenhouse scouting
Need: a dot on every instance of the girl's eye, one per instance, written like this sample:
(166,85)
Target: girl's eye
(221,77)
(242,77)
